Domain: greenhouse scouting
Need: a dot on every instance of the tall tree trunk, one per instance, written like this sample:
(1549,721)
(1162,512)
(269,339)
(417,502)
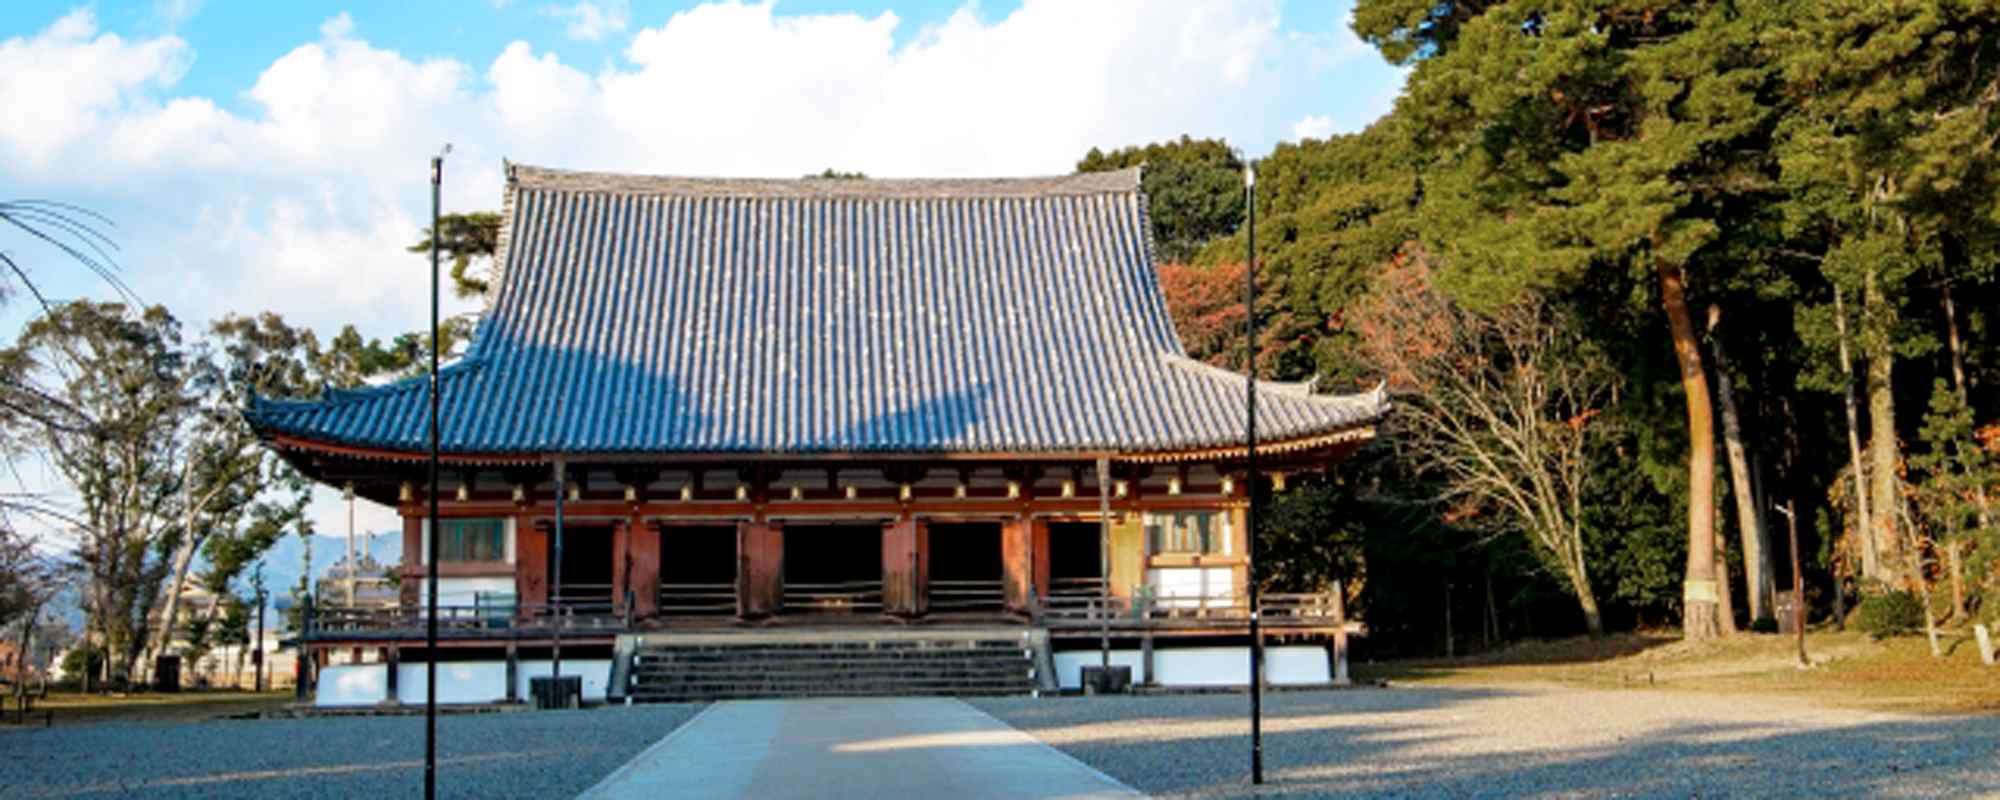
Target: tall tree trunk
(1579,583)
(1955,565)
(27,646)
(1759,582)
(1955,548)
(1699,619)
(1919,582)
(177,575)
(1864,520)
(1725,595)
(1883,449)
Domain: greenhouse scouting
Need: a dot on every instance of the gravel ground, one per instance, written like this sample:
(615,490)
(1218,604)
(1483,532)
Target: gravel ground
(545,755)
(1466,742)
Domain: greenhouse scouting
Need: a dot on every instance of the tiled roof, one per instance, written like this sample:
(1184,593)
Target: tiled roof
(675,315)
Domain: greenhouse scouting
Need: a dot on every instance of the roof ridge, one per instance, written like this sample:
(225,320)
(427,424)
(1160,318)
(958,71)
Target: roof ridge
(1303,390)
(1088,183)
(335,396)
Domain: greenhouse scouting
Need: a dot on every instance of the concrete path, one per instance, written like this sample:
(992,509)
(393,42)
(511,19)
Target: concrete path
(861,748)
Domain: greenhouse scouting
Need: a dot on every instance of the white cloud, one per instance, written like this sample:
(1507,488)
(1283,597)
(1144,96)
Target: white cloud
(300,194)
(175,12)
(340,26)
(592,21)
(1316,126)
(69,82)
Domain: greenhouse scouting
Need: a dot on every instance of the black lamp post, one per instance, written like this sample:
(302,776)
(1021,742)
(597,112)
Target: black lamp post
(431,495)
(1250,479)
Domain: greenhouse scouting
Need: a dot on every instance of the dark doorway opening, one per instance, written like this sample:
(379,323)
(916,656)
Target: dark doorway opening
(698,570)
(1076,559)
(587,568)
(833,569)
(966,567)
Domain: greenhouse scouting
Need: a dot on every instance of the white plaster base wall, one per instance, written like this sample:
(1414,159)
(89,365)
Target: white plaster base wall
(1290,665)
(344,685)
(459,682)
(1070,664)
(596,673)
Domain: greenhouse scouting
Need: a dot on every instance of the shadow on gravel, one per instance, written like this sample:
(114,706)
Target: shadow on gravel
(546,754)
(1361,743)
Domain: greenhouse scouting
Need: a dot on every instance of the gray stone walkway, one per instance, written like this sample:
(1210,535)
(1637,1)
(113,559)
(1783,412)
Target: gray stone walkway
(860,748)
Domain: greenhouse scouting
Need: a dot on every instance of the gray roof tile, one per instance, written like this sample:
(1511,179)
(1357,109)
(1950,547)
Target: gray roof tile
(675,315)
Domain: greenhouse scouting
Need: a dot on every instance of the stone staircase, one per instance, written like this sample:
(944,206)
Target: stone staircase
(684,668)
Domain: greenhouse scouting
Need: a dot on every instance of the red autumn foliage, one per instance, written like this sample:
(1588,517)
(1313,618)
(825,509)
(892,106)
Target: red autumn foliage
(1989,437)
(1206,304)
(1403,323)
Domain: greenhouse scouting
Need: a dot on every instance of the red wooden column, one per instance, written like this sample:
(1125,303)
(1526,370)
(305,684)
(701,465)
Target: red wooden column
(413,560)
(644,544)
(1017,564)
(760,569)
(1039,538)
(531,562)
(905,568)
(621,561)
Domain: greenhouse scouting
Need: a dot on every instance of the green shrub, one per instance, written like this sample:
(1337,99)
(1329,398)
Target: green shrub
(1889,613)
(84,657)
(1763,625)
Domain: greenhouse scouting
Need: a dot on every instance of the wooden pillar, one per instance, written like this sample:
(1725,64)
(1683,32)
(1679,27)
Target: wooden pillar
(1127,568)
(645,578)
(905,568)
(413,560)
(531,564)
(621,561)
(1018,562)
(393,676)
(513,673)
(1239,544)
(760,569)
(1146,658)
(1340,635)
(1038,546)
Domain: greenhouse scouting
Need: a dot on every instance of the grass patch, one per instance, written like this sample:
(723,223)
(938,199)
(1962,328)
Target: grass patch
(1850,669)
(75,707)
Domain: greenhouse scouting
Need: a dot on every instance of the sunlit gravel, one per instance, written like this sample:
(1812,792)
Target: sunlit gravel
(1506,742)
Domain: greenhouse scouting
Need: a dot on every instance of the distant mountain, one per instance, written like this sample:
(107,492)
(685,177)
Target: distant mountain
(283,564)
(285,561)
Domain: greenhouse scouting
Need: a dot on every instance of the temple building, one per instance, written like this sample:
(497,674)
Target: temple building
(815,411)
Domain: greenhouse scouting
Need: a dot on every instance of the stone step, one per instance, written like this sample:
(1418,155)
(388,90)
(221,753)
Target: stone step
(742,692)
(840,678)
(835,659)
(884,680)
(815,650)
(829,671)
(669,671)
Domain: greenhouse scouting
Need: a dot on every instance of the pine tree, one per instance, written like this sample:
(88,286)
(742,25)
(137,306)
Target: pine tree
(1593,142)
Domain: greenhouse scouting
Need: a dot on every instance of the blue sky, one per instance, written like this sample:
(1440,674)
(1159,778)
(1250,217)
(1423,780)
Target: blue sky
(236,39)
(272,155)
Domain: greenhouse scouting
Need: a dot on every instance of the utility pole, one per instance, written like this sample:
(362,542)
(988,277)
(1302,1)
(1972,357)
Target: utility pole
(1250,477)
(555,582)
(257,587)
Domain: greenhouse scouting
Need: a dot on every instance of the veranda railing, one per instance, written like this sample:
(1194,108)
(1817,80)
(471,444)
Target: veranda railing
(1189,611)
